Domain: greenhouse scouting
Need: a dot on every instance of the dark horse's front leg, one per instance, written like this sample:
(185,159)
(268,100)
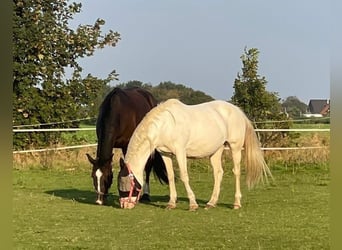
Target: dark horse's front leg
(101,199)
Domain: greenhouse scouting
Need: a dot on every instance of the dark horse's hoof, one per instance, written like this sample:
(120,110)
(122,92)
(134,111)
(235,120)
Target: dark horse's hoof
(145,198)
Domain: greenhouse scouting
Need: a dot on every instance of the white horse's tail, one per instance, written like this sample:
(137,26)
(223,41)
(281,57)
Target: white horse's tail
(254,160)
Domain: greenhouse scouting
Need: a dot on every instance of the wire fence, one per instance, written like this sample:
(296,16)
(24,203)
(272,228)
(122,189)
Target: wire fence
(94,145)
(90,129)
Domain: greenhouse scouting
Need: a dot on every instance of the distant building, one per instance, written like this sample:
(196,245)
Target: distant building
(318,108)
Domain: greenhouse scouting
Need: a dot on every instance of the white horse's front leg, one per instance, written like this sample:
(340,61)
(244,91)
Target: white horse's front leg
(172,187)
(216,163)
(181,158)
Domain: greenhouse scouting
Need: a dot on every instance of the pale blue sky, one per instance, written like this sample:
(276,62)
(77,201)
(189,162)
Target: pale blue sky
(198,43)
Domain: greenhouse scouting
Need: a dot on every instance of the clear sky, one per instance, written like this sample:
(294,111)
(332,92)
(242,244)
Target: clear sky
(198,43)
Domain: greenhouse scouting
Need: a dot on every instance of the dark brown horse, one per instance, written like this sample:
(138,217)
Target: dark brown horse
(120,113)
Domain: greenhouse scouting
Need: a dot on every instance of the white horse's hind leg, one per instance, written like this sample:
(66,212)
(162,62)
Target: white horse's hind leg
(181,159)
(216,163)
(236,154)
(172,186)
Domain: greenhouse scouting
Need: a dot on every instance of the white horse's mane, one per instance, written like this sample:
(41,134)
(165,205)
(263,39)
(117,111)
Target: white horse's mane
(152,118)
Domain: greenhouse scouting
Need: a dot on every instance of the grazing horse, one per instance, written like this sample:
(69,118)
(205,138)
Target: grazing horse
(195,131)
(120,113)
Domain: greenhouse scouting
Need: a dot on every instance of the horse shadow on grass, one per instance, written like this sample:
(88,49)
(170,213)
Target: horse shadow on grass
(161,202)
(89,197)
(81,196)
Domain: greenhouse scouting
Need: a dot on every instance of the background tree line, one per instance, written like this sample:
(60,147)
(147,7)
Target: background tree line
(45,47)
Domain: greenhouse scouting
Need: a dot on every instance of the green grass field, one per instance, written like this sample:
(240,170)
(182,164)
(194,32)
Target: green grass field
(54,209)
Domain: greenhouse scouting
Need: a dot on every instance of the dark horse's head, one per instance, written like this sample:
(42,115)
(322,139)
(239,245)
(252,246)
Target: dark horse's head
(128,186)
(119,114)
(102,175)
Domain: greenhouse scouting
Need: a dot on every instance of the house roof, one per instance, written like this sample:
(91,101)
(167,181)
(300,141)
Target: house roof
(316,106)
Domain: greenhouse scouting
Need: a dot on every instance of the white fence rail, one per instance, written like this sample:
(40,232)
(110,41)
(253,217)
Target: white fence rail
(93,145)
(85,129)
(51,130)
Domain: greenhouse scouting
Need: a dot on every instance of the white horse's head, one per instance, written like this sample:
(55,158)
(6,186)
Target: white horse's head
(128,186)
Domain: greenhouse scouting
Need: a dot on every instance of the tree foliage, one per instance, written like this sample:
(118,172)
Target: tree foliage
(167,90)
(294,107)
(251,96)
(44,47)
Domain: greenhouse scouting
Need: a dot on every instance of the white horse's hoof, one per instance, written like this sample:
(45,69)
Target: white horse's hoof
(170,206)
(209,206)
(236,206)
(193,207)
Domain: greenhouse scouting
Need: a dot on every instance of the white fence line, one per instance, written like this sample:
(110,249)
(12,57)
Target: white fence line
(293,148)
(53,149)
(91,118)
(294,130)
(91,129)
(93,145)
(52,130)
(53,123)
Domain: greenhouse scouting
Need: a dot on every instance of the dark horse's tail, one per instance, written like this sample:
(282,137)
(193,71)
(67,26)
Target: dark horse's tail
(156,163)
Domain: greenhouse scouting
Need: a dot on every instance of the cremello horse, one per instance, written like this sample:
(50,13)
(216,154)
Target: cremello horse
(194,131)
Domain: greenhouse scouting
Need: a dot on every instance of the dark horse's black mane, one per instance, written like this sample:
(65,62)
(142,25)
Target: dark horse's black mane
(103,148)
(106,118)
(119,114)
